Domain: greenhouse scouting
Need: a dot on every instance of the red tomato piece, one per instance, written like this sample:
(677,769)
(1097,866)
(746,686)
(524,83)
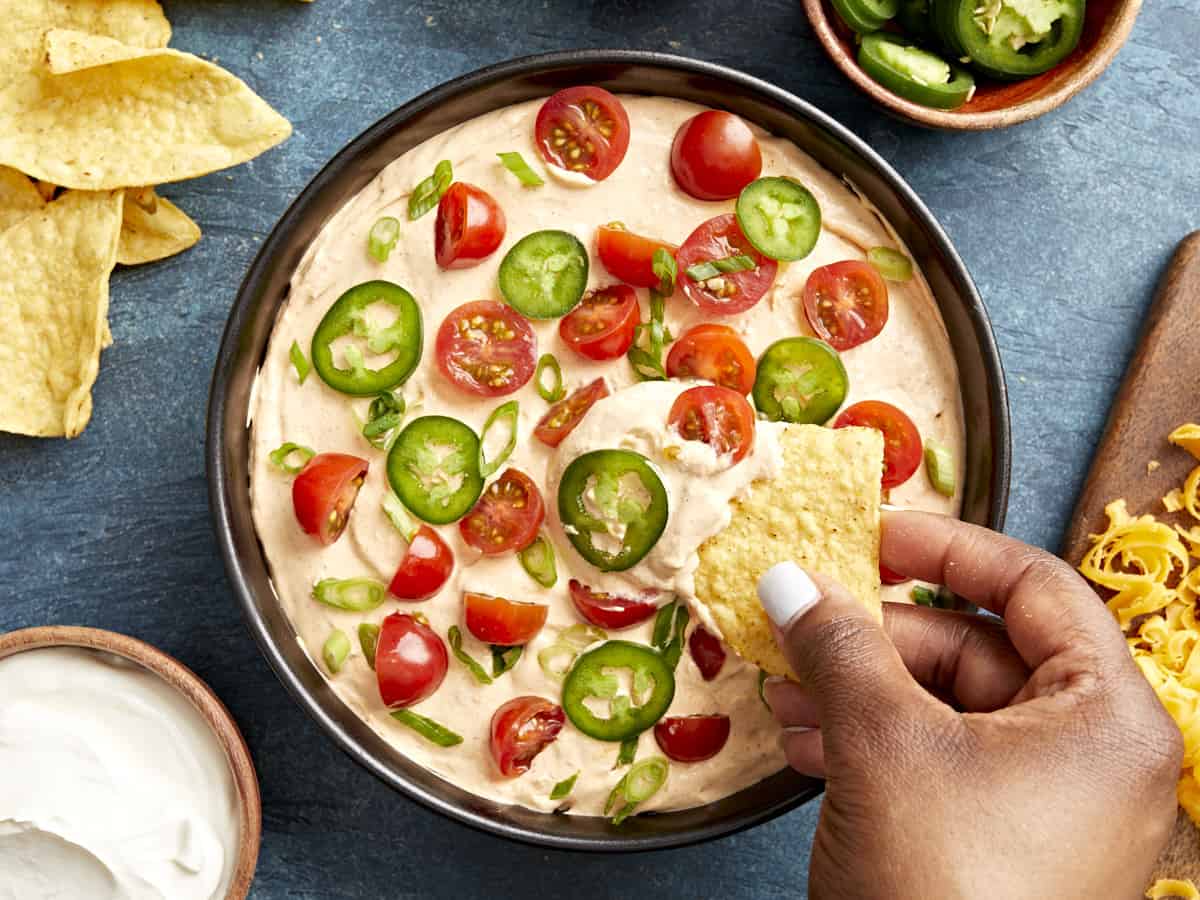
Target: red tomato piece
(561,419)
(506,516)
(719,417)
(692,738)
(733,292)
(887,576)
(486,348)
(425,567)
(521,729)
(495,620)
(902,447)
(628,256)
(715,155)
(714,353)
(608,611)
(410,660)
(583,129)
(846,303)
(601,327)
(469,228)
(707,652)
(324,493)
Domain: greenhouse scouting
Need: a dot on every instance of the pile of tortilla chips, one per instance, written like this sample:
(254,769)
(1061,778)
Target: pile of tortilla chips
(95,111)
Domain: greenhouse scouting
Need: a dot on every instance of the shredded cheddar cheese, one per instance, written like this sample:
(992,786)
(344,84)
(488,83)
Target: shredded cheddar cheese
(1187,437)
(1166,888)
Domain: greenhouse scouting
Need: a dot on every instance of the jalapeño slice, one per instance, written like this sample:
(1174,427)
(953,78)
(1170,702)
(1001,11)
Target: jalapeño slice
(779,217)
(434,469)
(349,316)
(866,16)
(1005,45)
(613,507)
(595,676)
(545,274)
(800,379)
(915,74)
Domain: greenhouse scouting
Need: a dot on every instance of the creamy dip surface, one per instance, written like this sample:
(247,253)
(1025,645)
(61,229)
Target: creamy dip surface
(112,786)
(909,364)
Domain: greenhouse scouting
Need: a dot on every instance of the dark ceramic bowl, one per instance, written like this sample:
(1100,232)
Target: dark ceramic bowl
(266,286)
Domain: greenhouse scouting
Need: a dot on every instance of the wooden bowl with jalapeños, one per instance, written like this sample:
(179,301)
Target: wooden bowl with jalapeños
(972,65)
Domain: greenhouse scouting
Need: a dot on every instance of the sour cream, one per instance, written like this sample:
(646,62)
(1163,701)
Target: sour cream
(112,786)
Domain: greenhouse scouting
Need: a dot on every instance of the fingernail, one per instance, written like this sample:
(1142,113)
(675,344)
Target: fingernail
(797,729)
(786,593)
(887,507)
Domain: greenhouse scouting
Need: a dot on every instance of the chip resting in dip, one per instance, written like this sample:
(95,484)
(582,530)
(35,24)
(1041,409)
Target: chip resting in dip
(546,397)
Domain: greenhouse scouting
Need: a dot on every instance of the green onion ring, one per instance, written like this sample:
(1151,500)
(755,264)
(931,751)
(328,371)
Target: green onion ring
(427,728)
(455,638)
(382,237)
(516,164)
(505,413)
(350,594)
(279,457)
(557,390)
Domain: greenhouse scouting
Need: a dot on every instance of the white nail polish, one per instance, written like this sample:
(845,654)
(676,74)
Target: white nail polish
(786,593)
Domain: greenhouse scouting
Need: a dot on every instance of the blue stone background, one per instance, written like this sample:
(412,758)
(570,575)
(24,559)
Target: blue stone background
(1065,223)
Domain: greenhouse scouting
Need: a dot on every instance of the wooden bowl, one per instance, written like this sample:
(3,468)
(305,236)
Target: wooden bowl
(199,694)
(996,104)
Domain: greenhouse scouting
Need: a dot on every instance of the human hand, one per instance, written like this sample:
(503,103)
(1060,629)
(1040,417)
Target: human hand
(1056,778)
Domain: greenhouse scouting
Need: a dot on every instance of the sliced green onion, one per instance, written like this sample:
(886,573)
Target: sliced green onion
(629,748)
(557,659)
(399,516)
(939,466)
(891,264)
(923,596)
(702,271)
(299,362)
(638,785)
(662,626)
(383,420)
(279,457)
(762,680)
(674,650)
(516,164)
(663,264)
(427,728)
(504,658)
(538,562)
(382,237)
(649,339)
(335,651)
(504,414)
(557,390)
(425,196)
(351,594)
(368,640)
(454,636)
(564,787)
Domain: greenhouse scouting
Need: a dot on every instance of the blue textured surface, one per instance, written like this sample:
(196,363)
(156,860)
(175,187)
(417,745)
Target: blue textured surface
(1065,223)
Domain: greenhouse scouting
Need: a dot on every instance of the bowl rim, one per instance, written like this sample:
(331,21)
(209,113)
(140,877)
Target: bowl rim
(202,698)
(1093,67)
(492,75)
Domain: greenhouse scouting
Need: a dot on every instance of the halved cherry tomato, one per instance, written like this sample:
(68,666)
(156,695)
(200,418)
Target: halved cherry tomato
(601,327)
(715,353)
(901,441)
(846,303)
(506,517)
(495,620)
(324,493)
(469,228)
(486,348)
(561,419)
(719,417)
(583,129)
(734,292)
(410,660)
(607,611)
(629,256)
(887,576)
(707,652)
(426,566)
(692,738)
(521,729)
(715,155)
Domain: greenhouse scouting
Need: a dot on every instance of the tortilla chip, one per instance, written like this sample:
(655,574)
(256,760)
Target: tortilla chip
(107,115)
(18,197)
(821,512)
(53,311)
(153,228)
(46,189)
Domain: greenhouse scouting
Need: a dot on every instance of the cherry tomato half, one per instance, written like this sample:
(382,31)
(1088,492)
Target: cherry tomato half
(887,576)
(561,419)
(486,348)
(601,327)
(628,256)
(469,228)
(324,493)
(719,417)
(607,611)
(715,155)
(495,620)
(507,515)
(521,729)
(901,440)
(846,303)
(692,738)
(714,353)
(707,652)
(410,660)
(731,293)
(426,566)
(583,129)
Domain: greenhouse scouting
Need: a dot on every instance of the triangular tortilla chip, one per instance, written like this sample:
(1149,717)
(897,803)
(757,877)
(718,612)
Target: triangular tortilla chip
(18,197)
(154,228)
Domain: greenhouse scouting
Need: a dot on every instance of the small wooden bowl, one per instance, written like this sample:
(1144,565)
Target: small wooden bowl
(996,104)
(199,694)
